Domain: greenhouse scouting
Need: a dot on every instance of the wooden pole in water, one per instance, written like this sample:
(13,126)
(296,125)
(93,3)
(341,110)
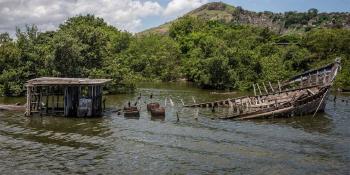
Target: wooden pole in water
(271,87)
(183,104)
(194,100)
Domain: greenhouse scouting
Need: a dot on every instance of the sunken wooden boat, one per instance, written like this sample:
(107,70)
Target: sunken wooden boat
(302,94)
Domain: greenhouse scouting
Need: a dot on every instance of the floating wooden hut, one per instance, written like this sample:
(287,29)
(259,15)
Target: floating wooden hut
(71,97)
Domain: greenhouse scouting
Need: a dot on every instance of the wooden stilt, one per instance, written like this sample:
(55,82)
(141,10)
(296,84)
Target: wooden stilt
(47,99)
(40,102)
(53,101)
(57,98)
(28,109)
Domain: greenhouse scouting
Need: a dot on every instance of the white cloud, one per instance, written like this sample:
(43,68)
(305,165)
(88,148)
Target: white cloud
(131,15)
(47,14)
(176,7)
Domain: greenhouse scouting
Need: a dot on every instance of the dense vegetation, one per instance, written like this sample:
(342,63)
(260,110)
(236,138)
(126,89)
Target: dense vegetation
(212,54)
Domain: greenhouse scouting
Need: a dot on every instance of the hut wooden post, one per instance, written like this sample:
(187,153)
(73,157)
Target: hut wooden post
(53,101)
(57,97)
(40,103)
(29,95)
(47,99)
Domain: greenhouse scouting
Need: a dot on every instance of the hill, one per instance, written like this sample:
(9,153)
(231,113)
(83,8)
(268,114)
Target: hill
(278,22)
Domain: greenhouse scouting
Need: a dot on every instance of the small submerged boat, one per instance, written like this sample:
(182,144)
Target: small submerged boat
(301,95)
(132,111)
(160,111)
(156,109)
(151,106)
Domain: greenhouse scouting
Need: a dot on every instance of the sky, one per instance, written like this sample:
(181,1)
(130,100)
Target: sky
(135,15)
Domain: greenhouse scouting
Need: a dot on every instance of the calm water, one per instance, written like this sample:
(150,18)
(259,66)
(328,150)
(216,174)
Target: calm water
(117,145)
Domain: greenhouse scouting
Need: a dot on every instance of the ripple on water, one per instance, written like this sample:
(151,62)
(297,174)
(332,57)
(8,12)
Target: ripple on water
(117,145)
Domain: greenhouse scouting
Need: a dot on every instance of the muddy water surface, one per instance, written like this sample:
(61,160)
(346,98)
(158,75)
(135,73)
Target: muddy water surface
(117,145)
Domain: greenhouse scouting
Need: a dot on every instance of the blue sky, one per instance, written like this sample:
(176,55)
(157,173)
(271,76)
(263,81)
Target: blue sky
(136,15)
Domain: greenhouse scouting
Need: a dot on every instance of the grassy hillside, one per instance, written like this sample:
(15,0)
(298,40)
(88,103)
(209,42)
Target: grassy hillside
(278,22)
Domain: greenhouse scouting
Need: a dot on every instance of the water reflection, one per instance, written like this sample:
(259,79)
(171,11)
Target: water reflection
(157,118)
(320,123)
(185,141)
